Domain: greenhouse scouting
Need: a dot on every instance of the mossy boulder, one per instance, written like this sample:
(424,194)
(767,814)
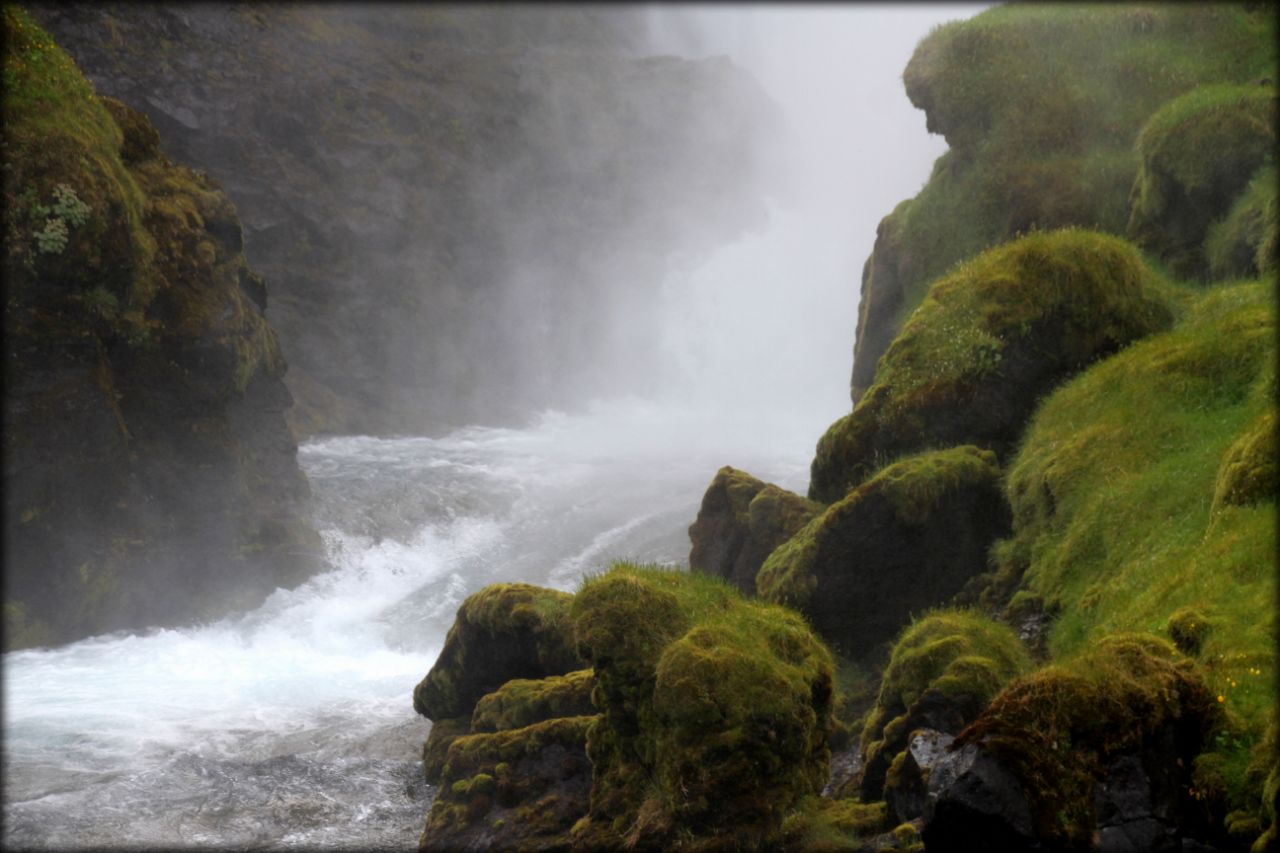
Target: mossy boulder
(502,632)
(1199,153)
(1249,472)
(740,522)
(155,480)
(1040,105)
(1245,243)
(944,669)
(521,701)
(1127,718)
(520,788)
(1116,526)
(716,711)
(903,542)
(992,338)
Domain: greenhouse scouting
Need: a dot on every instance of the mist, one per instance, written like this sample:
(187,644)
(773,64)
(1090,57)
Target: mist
(536,277)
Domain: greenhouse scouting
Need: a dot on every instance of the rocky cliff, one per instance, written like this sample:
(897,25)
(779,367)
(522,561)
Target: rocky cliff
(149,474)
(444,198)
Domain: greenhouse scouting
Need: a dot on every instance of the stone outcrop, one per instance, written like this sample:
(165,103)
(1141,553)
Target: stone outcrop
(709,722)
(150,477)
(1100,748)
(741,521)
(903,542)
(994,336)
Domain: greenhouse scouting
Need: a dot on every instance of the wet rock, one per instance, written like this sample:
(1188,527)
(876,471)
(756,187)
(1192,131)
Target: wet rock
(1126,816)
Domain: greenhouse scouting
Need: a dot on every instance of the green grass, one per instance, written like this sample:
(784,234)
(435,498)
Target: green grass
(1058,727)
(1041,105)
(1198,153)
(1114,489)
(1243,243)
(993,336)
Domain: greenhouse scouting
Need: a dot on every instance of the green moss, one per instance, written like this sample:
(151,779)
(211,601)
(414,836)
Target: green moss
(914,488)
(1056,728)
(1243,244)
(740,521)
(832,825)
(944,669)
(716,714)
(1182,189)
(502,632)
(1040,105)
(479,776)
(1187,628)
(1248,473)
(522,702)
(992,337)
(443,733)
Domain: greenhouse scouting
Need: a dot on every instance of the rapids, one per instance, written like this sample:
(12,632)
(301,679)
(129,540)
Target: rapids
(293,724)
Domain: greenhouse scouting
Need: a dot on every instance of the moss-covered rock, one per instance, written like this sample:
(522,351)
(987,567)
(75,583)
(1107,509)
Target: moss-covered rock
(158,481)
(1244,244)
(1040,105)
(944,669)
(502,632)
(716,711)
(740,522)
(901,543)
(991,339)
(442,735)
(1130,705)
(522,702)
(1249,472)
(1115,520)
(521,788)
(1198,153)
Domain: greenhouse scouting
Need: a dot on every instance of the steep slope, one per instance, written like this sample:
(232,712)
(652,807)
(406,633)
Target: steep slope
(454,204)
(1041,106)
(149,474)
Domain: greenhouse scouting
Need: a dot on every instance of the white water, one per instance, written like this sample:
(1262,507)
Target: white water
(293,725)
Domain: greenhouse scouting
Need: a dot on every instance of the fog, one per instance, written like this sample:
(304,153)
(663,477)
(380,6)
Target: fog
(768,321)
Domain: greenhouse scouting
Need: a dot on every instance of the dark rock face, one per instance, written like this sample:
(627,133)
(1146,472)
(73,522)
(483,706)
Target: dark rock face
(906,541)
(442,197)
(150,477)
(1095,753)
(740,522)
(975,804)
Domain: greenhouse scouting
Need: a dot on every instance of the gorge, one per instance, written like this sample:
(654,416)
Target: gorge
(348,346)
